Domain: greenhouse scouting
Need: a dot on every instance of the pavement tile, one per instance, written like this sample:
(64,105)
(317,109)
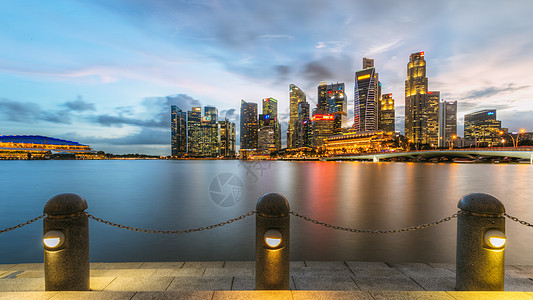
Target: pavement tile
(325,283)
(432,283)
(361,265)
(179,272)
(6,267)
(489,295)
(228,272)
(243,283)
(30,274)
(108,266)
(518,273)
(27,267)
(423,270)
(446,266)
(297,264)
(394,283)
(397,295)
(204,283)
(21,284)
(240,265)
(378,273)
(518,284)
(123,273)
(327,264)
(171,295)
(162,265)
(27,295)
(320,271)
(327,295)
(243,295)
(93,295)
(100,283)
(203,264)
(139,284)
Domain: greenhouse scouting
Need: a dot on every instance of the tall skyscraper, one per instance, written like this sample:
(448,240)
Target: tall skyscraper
(432,115)
(387,115)
(227,138)
(483,127)
(366,97)
(249,125)
(304,126)
(447,121)
(321,127)
(322,97)
(270,108)
(296,95)
(336,94)
(210,146)
(416,87)
(194,132)
(178,123)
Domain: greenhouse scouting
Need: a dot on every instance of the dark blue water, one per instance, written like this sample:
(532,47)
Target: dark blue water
(188,194)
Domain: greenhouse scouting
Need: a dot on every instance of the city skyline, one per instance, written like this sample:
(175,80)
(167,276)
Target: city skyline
(106,73)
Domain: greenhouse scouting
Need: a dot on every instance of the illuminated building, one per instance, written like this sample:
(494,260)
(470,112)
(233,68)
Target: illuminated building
(249,126)
(416,87)
(447,121)
(266,134)
(321,127)
(227,138)
(432,116)
(194,132)
(366,97)
(354,142)
(210,142)
(304,126)
(483,127)
(387,116)
(337,105)
(322,100)
(270,107)
(296,95)
(178,123)
(41,147)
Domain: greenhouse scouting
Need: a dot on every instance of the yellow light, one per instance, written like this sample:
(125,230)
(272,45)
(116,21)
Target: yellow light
(363,77)
(522,130)
(494,238)
(273,238)
(53,239)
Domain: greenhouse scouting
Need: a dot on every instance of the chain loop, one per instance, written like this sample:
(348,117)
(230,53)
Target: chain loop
(412,228)
(22,224)
(251,213)
(518,220)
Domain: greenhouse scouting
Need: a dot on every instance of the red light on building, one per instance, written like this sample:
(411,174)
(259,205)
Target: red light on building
(322,117)
(430,93)
(422,53)
(390,95)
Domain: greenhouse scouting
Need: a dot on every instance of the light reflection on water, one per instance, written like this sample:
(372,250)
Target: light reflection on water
(175,195)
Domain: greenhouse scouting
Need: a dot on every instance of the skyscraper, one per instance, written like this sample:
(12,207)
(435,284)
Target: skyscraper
(322,99)
(483,127)
(270,108)
(210,146)
(337,105)
(304,126)
(416,87)
(366,97)
(194,132)
(296,95)
(387,114)
(227,138)
(178,123)
(447,121)
(249,125)
(432,115)
(321,127)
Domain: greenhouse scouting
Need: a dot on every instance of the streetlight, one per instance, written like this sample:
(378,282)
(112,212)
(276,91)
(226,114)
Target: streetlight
(451,141)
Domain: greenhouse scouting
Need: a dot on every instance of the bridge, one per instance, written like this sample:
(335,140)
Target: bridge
(470,154)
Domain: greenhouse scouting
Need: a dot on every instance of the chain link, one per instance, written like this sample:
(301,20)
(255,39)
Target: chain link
(22,224)
(412,228)
(251,213)
(518,220)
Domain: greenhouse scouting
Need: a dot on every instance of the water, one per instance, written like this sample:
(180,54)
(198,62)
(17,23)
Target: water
(177,195)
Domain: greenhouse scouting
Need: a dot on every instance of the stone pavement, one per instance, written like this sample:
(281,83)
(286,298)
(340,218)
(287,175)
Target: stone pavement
(235,280)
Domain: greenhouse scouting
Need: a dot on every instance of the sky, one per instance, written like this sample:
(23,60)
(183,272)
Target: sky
(105,72)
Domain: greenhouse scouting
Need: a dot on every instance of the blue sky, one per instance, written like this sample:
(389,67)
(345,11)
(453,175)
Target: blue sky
(105,73)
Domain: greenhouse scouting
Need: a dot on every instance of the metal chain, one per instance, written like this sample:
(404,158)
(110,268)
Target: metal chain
(251,213)
(22,224)
(412,228)
(518,220)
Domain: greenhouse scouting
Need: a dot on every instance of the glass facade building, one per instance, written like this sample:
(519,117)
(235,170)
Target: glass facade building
(366,98)
(416,87)
(249,125)
(387,114)
(483,127)
(178,124)
(296,95)
(447,122)
(194,132)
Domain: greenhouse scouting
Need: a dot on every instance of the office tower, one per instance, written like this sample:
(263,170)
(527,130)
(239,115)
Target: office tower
(210,145)
(322,99)
(447,121)
(337,106)
(194,132)
(266,134)
(178,126)
(483,127)
(249,125)
(432,115)
(296,95)
(416,87)
(270,108)
(304,126)
(366,97)
(227,138)
(321,127)
(387,121)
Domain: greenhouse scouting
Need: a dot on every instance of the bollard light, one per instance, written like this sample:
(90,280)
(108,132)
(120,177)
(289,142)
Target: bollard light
(54,239)
(494,239)
(273,238)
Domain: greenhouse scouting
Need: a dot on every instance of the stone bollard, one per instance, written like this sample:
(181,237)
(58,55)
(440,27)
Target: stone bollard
(480,244)
(66,244)
(272,240)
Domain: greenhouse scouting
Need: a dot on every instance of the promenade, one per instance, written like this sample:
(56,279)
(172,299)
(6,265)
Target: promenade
(235,280)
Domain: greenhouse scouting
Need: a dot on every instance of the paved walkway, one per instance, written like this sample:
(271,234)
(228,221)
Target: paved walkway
(235,280)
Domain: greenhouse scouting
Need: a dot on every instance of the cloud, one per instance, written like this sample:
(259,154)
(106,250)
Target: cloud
(276,36)
(493,90)
(315,71)
(79,105)
(28,112)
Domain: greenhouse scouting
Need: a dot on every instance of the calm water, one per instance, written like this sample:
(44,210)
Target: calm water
(185,194)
